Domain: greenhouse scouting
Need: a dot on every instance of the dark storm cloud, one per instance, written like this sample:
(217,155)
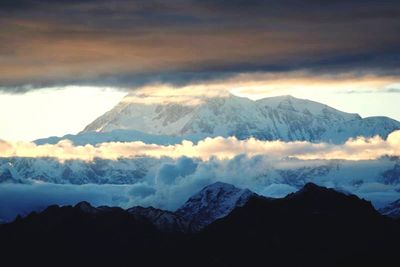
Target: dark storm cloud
(131,43)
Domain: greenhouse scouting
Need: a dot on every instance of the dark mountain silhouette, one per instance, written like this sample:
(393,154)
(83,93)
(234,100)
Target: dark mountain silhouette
(312,227)
(82,236)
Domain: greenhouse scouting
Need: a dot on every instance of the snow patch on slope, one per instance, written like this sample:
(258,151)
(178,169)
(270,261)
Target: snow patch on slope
(211,203)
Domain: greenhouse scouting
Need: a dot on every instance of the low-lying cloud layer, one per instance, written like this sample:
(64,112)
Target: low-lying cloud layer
(360,148)
(171,182)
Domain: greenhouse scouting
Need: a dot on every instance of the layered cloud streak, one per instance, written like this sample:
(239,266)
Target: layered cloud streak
(130,43)
(222,148)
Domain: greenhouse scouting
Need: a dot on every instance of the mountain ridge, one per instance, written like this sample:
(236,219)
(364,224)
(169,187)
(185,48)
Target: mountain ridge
(213,202)
(284,117)
(333,229)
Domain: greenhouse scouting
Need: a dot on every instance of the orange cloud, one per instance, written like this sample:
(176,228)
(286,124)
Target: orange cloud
(223,148)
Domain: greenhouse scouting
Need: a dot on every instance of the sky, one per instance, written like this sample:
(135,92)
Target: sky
(64,63)
(56,112)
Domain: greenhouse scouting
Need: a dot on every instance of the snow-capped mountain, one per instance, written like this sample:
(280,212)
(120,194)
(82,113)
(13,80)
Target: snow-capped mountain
(211,203)
(391,210)
(284,117)
(50,170)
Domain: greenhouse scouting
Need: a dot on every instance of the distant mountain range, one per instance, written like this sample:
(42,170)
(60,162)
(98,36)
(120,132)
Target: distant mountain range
(376,180)
(315,226)
(285,118)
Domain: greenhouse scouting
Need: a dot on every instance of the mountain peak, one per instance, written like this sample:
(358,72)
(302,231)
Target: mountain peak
(320,199)
(280,97)
(219,186)
(282,117)
(311,189)
(85,207)
(213,202)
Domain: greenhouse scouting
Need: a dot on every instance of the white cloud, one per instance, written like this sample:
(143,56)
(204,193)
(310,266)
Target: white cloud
(223,148)
(174,181)
(266,167)
(187,95)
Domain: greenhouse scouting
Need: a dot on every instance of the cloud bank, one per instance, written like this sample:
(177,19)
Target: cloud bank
(260,85)
(131,43)
(360,148)
(173,181)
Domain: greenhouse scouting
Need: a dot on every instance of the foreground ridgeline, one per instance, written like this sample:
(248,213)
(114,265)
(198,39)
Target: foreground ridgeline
(220,226)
